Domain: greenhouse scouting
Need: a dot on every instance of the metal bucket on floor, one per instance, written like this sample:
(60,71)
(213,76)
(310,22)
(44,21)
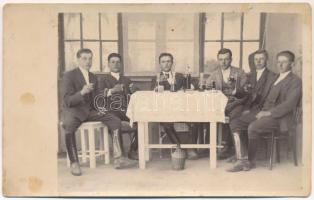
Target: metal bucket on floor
(178,158)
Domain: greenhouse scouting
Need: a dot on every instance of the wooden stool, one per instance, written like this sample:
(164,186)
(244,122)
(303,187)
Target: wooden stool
(91,153)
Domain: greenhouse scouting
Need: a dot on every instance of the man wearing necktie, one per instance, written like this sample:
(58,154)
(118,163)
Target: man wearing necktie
(118,88)
(166,78)
(80,87)
(276,111)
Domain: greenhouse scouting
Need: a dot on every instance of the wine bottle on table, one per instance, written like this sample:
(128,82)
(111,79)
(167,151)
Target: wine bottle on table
(188,78)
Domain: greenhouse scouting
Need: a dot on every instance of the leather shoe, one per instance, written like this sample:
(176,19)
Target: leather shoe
(232,159)
(240,166)
(225,154)
(192,154)
(133,155)
(75,169)
(122,163)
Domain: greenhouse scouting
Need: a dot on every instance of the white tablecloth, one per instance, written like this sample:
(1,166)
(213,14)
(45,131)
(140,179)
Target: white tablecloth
(188,106)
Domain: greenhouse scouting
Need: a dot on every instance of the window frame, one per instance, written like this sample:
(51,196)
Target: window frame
(240,41)
(119,40)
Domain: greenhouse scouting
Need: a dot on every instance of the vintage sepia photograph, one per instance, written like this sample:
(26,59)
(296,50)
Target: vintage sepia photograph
(173,100)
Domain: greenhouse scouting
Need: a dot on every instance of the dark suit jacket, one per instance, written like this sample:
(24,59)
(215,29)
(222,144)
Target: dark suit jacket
(283,100)
(179,82)
(119,99)
(260,88)
(74,103)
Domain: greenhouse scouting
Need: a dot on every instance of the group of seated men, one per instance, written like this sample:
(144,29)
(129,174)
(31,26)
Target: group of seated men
(258,102)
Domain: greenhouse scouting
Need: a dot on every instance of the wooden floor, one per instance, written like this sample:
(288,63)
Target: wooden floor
(197,179)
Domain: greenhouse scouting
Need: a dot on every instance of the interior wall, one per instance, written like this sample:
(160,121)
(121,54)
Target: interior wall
(284,32)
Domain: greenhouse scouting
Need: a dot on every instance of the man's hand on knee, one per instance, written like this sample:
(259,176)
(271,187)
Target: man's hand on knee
(263,114)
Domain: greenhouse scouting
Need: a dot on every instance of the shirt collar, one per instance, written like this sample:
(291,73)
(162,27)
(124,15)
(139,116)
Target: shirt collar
(115,74)
(260,70)
(84,71)
(285,73)
(170,72)
(225,70)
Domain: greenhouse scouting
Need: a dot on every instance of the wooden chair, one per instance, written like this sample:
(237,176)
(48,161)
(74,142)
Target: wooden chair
(90,152)
(276,136)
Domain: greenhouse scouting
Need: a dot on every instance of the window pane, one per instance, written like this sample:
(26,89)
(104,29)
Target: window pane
(70,49)
(235,48)
(94,46)
(213,26)
(251,26)
(183,53)
(248,48)
(90,26)
(232,23)
(109,26)
(141,26)
(71,26)
(210,56)
(179,26)
(140,58)
(108,48)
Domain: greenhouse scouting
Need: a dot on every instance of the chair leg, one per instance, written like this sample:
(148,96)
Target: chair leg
(294,142)
(106,145)
(267,149)
(277,142)
(160,140)
(271,151)
(83,145)
(91,141)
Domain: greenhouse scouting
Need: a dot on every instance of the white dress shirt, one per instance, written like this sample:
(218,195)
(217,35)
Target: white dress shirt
(171,78)
(226,74)
(115,74)
(259,73)
(85,74)
(281,77)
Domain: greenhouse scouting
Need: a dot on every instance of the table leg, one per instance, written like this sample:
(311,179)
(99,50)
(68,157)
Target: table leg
(141,144)
(147,150)
(213,145)
(220,126)
(83,145)
(106,144)
(91,140)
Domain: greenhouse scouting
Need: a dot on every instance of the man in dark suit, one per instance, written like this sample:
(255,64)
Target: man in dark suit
(80,88)
(230,80)
(259,83)
(276,112)
(118,88)
(166,78)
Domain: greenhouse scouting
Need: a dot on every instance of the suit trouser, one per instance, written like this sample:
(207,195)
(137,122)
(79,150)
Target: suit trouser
(122,116)
(255,128)
(226,133)
(71,123)
(171,132)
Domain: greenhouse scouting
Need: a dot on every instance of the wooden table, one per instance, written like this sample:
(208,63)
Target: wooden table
(189,106)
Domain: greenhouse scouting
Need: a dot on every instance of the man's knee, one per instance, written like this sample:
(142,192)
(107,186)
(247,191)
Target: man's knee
(112,122)
(70,125)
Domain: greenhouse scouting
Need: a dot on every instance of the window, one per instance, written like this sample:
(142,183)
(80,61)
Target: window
(96,31)
(146,35)
(236,31)
(141,37)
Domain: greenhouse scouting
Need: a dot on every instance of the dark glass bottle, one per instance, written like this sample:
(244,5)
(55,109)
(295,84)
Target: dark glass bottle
(188,78)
